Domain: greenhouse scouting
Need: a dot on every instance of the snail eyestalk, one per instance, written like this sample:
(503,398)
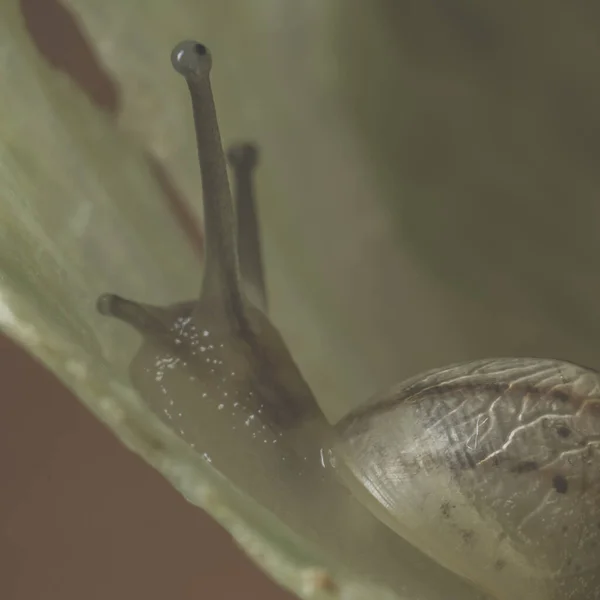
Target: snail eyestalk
(243,159)
(221,276)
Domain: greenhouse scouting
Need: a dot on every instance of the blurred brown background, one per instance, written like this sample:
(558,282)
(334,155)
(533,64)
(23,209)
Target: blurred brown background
(75,520)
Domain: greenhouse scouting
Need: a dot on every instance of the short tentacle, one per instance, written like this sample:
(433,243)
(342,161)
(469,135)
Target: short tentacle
(142,317)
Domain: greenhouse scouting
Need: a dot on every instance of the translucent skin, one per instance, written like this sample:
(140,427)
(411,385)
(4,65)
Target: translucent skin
(491,468)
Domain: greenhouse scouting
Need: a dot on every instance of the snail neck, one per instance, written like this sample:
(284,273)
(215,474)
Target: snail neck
(231,389)
(252,346)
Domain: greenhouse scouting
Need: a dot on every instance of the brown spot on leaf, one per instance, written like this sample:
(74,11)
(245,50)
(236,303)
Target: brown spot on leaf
(177,205)
(61,39)
(318,580)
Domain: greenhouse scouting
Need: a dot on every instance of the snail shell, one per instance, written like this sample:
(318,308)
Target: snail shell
(490,468)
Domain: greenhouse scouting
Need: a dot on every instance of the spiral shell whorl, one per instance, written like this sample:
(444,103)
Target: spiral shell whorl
(497,459)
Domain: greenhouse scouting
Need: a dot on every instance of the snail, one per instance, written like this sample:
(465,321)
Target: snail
(490,468)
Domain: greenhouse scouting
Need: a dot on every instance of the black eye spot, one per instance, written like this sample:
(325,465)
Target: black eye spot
(445,510)
(200,49)
(560,484)
(563,431)
(525,467)
(467,535)
(561,396)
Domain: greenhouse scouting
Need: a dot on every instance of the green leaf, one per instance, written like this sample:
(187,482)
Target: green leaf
(82,213)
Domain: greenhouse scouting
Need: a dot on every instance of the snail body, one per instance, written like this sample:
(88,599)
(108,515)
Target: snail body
(490,468)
